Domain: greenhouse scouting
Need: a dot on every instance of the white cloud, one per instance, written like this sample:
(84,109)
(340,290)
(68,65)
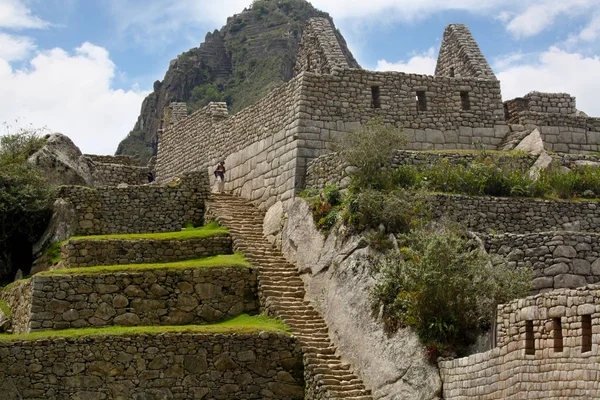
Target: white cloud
(71,94)
(556,71)
(418,64)
(15,48)
(14,14)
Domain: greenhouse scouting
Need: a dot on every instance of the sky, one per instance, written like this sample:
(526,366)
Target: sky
(83,67)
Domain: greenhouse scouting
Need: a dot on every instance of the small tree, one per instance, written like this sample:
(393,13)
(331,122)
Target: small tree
(25,201)
(371,150)
(443,284)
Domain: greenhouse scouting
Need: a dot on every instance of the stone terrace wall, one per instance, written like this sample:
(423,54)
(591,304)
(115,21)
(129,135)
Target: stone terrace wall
(88,253)
(145,298)
(553,103)
(138,209)
(18,298)
(116,174)
(515,215)
(258,145)
(507,372)
(565,134)
(329,169)
(120,160)
(460,55)
(559,259)
(167,366)
(320,50)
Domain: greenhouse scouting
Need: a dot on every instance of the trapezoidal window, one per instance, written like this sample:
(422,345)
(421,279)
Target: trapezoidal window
(421,101)
(465,101)
(452,72)
(557,335)
(586,333)
(529,341)
(375,97)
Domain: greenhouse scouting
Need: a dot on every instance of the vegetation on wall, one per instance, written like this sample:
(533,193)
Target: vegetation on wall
(443,284)
(25,201)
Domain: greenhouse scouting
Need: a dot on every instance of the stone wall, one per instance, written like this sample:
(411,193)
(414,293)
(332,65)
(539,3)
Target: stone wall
(88,253)
(552,103)
(127,297)
(116,174)
(553,364)
(166,366)
(516,215)
(258,145)
(120,160)
(319,50)
(558,259)
(138,209)
(460,55)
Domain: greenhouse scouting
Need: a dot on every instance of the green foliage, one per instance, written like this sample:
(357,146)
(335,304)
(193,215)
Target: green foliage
(204,94)
(371,149)
(396,210)
(211,229)
(486,177)
(5,308)
(442,284)
(326,206)
(25,198)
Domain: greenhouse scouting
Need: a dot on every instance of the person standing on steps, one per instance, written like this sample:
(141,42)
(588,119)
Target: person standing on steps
(220,177)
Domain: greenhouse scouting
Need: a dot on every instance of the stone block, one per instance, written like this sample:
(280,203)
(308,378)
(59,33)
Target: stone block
(569,281)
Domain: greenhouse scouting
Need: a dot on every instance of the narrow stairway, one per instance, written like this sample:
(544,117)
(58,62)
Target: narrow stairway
(281,292)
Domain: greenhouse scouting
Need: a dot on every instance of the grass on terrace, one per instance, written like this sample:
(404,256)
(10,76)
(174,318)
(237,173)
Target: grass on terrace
(227,260)
(211,229)
(243,324)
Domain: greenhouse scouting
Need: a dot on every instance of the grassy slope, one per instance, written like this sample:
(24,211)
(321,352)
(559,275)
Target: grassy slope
(211,229)
(243,324)
(229,260)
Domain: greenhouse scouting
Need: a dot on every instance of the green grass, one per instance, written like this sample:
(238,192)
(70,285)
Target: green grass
(243,324)
(5,308)
(211,229)
(229,260)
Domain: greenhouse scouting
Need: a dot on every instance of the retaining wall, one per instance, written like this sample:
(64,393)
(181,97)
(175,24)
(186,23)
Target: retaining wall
(150,297)
(88,253)
(166,366)
(116,174)
(511,372)
(138,209)
(558,259)
(120,160)
(18,298)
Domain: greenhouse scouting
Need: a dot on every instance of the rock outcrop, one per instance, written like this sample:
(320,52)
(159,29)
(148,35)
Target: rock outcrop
(61,162)
(338,278)
(240,63)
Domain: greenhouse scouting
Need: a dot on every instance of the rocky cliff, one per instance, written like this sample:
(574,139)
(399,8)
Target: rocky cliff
(253,53)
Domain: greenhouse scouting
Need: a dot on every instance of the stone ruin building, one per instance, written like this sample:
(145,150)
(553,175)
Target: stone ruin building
(542,346)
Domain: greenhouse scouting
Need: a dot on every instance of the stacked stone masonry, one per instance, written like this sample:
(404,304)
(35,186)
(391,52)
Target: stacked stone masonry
(131,298)
(460,55)
(115,175)
(558,259)
(320,50)
(544,351)
(138,209)
(89,252)
(166,366)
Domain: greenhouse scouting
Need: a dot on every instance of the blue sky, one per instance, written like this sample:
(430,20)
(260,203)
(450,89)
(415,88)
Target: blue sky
(82,67)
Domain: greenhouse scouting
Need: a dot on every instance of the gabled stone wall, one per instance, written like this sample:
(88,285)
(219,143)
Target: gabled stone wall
(320,50)
(539,368)
(154,366)
(460,55)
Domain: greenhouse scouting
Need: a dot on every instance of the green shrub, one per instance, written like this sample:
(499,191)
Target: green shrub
(325,206)
(442,284)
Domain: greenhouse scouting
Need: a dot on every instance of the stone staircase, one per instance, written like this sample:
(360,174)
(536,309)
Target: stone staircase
(281,292)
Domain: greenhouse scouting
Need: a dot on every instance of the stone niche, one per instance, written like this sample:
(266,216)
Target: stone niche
(166,366)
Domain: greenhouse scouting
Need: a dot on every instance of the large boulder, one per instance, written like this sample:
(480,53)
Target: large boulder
(532,143)
(338,280)
(5,322)
(62,163)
